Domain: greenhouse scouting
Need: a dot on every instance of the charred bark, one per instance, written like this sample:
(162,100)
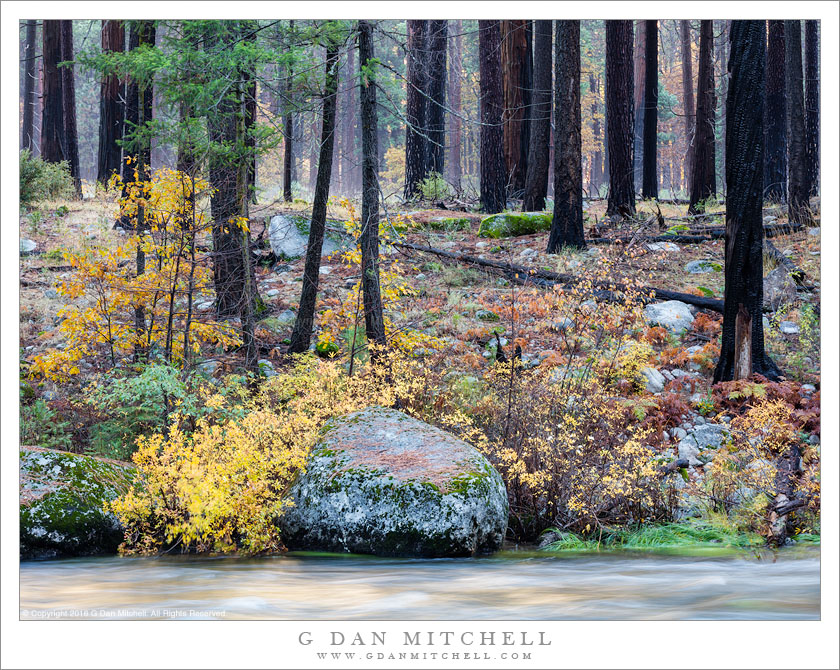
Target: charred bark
(798,188)
(775,129)
(536,182)
(619,72)
(689,109)
(650,184)
(27,139)
(812,107)
(703,181)
(744,263)
(437,95)
(53,149)
(416,143)
(492,166)
(455,74)
(111,108)
(567,222)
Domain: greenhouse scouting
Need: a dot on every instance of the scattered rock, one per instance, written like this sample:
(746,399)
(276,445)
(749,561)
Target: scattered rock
(512,224)
(61,500)
(547,538)
(814,232)
(789,328)
(324,270)
(702,267)
(208,367)
(449,223)
(486,315)
(779,289)
(663,246)
(289,236)
(27,246)
(51,293)
(807,388)
(654,381)
(562,325)
(700,439)
(671,314)
(266,367)
(270,293)
(381,482)
(205,304)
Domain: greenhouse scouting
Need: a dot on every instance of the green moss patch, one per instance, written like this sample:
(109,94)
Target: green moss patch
(513,224)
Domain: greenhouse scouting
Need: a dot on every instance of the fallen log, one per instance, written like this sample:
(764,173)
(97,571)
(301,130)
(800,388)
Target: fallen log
(695,236)
(547,278)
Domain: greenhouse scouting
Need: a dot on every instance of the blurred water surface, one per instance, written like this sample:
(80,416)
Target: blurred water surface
(517,585)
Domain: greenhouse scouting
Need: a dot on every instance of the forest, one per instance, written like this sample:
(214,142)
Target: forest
(418,287)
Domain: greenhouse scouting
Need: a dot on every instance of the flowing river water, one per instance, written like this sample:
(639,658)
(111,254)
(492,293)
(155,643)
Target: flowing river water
(517,585)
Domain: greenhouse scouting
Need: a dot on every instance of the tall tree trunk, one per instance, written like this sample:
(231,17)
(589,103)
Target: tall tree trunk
(288,134)
(619,72)
(68,89)
(638,101)
(347,154)
(492,168)
(27,140)
(798,189)
(302,332)
(536,182)
(513,60)
(111,107)
(52,117)
(567,223)
(369,238)
(775,124)
(437,94)
(689,109)
(703,182)
(416,106)
(596,173)
(744,267)
(812,107)
(455,74)
(650,184)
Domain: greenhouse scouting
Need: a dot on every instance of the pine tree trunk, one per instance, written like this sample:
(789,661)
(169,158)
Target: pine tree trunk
(689,109)
(52,117)
(369,238)
(703,182)
(798,188)
(455,74)
(68,89)
(812,107)
(302,332)
(288,135)
(111,108)
(775,129)
(744,264)
(638,102)
(650,184)
(536,182)
(437,95)
(416,106)
(492,167)
(596,174)
(567,222)
(27,140)
(513,62)
(620,115)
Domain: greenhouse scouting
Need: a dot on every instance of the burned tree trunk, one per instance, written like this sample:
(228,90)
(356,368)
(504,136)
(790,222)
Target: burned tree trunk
(638,101)
(798,188)
(619,71)
(53,148)
(536,182)
(567,223)
(27,139)
(650,184)
(775,129)
(703,182)
(744,276)
(68,98)
(111,107)
(302,332)
(492,166)
(689,109)
(812,107)
(596,173)
(369,238)
(437,95)
(416,106)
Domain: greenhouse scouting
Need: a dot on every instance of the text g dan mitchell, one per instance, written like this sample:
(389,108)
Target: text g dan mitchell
(428,638)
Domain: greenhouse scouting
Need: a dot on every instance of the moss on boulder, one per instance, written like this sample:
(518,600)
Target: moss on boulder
(61,503)
(449,223)
(512,224)
(381,482)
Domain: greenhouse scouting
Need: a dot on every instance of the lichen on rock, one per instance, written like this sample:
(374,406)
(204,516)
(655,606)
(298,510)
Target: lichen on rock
(381,482)
(62,496)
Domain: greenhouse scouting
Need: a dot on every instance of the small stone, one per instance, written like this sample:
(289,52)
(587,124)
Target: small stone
(814,439)
(324,270)
(208,367)
(270,293)
(808,388)
(420,276)
(51,293)
(562,325)
(814,232)
(779,289)
(266,367)
(789,328)
(701,267)
(765,322)
(663,246)
(678,433)
(486,315)
(667,374)
(27,246)
(673,315)
(654,381)
(665,437)
(699,421)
